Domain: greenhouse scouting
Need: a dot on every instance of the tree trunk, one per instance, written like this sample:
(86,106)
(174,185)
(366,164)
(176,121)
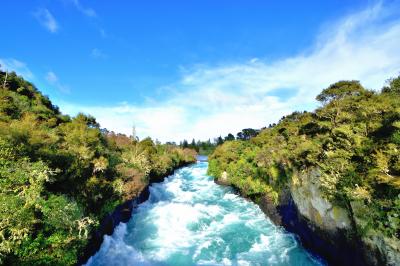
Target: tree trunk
(5,81)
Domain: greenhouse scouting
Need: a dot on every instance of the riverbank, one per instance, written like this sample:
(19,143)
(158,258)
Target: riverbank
(122,213)
(336,244)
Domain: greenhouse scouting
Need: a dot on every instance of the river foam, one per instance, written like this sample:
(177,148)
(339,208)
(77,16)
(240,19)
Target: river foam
(190,220)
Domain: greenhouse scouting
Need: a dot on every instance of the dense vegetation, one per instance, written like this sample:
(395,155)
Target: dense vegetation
(208,147)
(201,147)
(353,139)
(59,175)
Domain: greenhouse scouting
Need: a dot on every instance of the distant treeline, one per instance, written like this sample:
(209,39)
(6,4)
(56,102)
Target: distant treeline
(208,146)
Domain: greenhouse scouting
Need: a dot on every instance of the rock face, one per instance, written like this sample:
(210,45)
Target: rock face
(330,230)
(383,250)
(323,227)
(223,179)
(312,205)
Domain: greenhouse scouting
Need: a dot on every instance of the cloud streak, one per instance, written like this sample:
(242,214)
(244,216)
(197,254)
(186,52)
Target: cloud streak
(19,67)
(97,54)
(53,80)
(211,100)
(46,19)
(87,11)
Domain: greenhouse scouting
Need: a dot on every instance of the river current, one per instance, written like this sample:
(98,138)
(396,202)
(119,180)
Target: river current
(190,220)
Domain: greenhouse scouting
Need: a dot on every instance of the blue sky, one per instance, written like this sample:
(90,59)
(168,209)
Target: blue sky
(196,69)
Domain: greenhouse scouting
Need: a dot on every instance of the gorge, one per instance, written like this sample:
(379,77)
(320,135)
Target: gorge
(185,133)
(327,180)
(190,220)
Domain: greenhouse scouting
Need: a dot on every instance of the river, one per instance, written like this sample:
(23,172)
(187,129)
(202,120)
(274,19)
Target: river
(190,220)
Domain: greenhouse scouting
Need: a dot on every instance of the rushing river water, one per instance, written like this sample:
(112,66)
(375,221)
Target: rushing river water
(190,220)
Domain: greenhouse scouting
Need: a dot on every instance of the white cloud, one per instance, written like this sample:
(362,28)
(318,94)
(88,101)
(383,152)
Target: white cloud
(19,67)
(103,33)
(51,77)
(53,80)
(98,54)
(213,100)
(46,19)
(87,11)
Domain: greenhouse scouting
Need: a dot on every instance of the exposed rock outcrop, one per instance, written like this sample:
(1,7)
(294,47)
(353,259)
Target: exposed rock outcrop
(323,227)
(337,227)
(223,180)
(306,194)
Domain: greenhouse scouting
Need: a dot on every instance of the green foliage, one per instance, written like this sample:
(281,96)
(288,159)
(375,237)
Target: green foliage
(394,86)
(353,140)
(208,147)
(202,147)
(59,176)
(246,134)
(340,90)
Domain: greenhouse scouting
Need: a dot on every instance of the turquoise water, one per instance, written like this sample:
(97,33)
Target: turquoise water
(189,220)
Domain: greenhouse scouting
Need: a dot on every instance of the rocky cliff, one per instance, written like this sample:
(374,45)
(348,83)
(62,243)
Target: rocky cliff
(324,227)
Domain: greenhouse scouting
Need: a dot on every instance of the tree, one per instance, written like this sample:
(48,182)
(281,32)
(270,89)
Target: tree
(229,137)
(219,140)
(133,133)
(148,145)
(394,86)
(247,133)
(5,79)
(340,90)
(185,144)
(193,144)
(331,98)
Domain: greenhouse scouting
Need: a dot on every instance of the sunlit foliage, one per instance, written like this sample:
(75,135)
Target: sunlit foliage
(59,176)
(354,141)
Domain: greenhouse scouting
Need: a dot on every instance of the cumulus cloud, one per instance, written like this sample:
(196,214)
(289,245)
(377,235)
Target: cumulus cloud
(11,64)
(53,80)
(211,100)
(46,19)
